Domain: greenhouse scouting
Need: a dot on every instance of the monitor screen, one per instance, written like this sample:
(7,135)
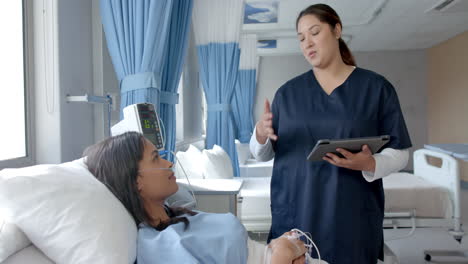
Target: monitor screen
(151,137)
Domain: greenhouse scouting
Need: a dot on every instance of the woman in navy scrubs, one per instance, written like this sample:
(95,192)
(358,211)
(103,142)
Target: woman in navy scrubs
(339,201)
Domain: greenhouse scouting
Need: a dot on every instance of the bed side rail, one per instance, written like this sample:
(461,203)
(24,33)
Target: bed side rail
(448,176)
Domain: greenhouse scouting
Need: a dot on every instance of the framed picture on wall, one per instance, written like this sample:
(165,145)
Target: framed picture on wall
(267,44)
(261,12)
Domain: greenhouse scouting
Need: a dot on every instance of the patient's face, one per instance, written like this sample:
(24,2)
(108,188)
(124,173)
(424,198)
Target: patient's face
(155,181)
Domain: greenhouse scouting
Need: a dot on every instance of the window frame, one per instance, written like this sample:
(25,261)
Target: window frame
(28,51)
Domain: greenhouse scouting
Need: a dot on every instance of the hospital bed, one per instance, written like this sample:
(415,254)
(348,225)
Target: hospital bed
(428,198)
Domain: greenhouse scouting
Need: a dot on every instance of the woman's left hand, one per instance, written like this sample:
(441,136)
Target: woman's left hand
(362,161)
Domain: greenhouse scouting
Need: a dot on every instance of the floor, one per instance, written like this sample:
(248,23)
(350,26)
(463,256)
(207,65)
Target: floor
(411,250)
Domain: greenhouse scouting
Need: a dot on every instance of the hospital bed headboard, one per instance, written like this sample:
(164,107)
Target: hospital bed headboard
(448,175)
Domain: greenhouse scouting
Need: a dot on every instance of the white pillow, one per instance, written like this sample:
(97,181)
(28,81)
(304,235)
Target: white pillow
(191,161)
(243,151)
(12,239)
(216,164)
(68,214)
(28,255)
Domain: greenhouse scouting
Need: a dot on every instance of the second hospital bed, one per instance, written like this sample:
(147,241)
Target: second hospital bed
(428,198)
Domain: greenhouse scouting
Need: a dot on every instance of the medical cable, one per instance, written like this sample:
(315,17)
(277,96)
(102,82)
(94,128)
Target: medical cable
(186,177)
(163,132)
(163,136)
(309,244)
(309,240)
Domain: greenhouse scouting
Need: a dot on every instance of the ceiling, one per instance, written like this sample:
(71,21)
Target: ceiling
(368,25)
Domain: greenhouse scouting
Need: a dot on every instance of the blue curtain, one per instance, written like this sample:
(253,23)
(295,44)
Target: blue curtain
(219,64)
(137,33)
(172,67)
(242,104)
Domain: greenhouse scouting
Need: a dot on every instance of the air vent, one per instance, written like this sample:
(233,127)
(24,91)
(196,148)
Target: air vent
(449,6)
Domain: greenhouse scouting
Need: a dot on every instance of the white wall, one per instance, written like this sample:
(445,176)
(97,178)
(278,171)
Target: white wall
(111,83)
(448,83)
(274,71)
(192,98)
(63,130)
(406,70)
(76,75)
(104,78)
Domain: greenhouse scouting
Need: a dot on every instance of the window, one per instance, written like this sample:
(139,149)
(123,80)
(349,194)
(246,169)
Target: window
(14,49)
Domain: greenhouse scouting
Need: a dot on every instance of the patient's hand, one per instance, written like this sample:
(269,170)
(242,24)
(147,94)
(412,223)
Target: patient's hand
(287,251)
(300,260)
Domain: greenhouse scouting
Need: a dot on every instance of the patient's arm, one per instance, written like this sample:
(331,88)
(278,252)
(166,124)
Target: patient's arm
(300,260)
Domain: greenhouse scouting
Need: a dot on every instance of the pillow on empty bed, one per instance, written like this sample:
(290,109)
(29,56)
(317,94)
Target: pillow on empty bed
(216,164)
(243,151)
(191,162)
(68,214)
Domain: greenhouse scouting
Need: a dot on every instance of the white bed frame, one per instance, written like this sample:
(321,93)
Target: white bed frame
(446,176)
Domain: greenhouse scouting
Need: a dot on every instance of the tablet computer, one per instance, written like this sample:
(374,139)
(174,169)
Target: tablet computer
(353,145)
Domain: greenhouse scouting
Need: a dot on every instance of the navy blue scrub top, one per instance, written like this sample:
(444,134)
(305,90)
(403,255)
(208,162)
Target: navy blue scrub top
(337,206)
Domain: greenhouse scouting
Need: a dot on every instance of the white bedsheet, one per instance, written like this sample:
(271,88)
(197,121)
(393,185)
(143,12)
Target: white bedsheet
(405,192)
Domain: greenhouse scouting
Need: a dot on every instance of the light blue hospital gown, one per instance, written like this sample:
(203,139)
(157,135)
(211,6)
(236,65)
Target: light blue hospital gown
(210,238)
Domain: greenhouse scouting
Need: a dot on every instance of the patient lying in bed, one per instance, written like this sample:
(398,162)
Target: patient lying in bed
(130,166)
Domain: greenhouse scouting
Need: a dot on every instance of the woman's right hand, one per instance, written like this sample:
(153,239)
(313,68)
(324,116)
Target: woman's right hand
(265,125)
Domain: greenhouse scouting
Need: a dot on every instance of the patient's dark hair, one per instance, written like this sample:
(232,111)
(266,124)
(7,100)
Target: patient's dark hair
(114,162)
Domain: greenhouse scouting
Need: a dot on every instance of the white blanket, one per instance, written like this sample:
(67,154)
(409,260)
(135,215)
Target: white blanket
(405,192)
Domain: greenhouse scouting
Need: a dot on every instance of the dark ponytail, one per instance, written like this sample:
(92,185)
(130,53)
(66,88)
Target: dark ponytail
(346,54)
(328,15)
